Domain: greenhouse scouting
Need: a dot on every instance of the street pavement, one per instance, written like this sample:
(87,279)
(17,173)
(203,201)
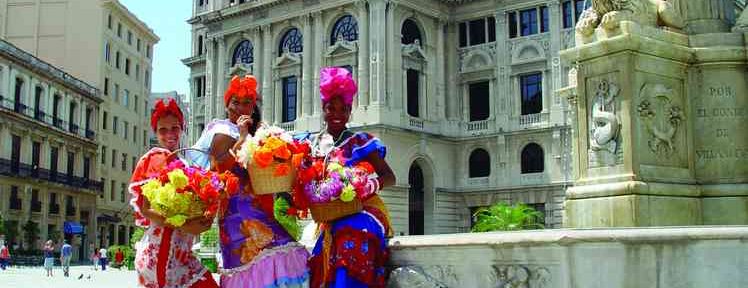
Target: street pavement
(35,277)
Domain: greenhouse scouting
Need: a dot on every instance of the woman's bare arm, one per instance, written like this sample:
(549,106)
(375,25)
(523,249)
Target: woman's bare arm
(386,176)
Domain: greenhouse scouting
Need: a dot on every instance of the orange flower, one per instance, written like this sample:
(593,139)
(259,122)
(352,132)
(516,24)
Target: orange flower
(296,159)
(273,143)
(281,170)
(263,157)
(282,152)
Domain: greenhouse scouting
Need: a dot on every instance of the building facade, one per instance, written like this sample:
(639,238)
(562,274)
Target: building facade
(462,92)
(104,44)
(183,105)
(48,145)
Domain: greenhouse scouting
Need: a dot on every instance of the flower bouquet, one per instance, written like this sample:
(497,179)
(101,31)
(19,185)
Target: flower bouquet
(334,191)
(180,193)
(272,156)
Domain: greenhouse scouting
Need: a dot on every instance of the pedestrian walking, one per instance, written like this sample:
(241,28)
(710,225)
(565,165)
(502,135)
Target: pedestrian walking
(95,259)
(102,258)
(49,258)
(66,253)
(4,256)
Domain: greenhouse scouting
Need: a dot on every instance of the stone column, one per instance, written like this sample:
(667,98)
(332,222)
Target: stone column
(363,54)
(452,91)
(378,48)
(267,71)
(220,78)
(307,64)
(318,51)
(503,59)
(209,74)
(438,67)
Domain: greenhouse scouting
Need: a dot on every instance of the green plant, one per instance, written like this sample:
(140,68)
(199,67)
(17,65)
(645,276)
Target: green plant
(31,232)
(136,236)
(504,217)
(2,225)
(11,231)
(128,252)
(210,263)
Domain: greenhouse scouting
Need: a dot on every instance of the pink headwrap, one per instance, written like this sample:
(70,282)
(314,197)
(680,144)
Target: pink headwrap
(336,81)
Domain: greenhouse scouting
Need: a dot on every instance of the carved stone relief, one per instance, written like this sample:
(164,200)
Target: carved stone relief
(661,117)
(604,124)
(521,276)
(608,14)
(412,277)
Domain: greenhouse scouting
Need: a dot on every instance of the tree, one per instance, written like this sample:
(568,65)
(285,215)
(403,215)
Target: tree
(2,226)
(504,217)
(136,236)
(31,233)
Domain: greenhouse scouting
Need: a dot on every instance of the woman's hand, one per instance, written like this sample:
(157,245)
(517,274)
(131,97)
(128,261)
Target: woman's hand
(244,122)
(196,225)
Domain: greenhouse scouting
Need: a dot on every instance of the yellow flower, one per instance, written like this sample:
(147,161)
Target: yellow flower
(348,193)
(273,143)
(335,167)
(178,178)
(150,189)
(177,220)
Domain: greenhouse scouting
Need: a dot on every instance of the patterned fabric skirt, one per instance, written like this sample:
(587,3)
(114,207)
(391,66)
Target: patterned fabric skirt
(278,267)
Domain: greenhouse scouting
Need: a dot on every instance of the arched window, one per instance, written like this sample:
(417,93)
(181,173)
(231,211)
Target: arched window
(415,201)
(410,32)
(244,53)
(532,159)
(480,163)
(345,28)
(291,42)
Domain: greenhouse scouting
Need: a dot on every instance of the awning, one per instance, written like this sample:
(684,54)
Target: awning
(70,227)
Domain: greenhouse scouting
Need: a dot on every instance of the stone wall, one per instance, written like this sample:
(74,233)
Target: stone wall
(612,258)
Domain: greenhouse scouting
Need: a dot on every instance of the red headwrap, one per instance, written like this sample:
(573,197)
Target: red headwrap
(166,107)
(241,88)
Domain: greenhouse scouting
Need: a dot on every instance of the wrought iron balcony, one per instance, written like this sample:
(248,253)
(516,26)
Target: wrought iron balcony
(90,134)
(73,128)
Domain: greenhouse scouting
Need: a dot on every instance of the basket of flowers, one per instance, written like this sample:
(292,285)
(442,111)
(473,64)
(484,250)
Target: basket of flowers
(333,191)
(271,157)
(180,192)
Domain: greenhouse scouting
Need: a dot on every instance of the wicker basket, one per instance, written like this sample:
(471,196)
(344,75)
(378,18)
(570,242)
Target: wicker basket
(325,212)
(263,181)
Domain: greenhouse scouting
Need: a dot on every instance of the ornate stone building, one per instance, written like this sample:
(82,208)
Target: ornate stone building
(48,144)
(462,92)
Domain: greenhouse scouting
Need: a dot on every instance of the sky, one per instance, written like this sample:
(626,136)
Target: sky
(169,21)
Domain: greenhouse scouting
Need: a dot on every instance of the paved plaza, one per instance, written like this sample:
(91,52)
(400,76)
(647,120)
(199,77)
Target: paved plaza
(34,277)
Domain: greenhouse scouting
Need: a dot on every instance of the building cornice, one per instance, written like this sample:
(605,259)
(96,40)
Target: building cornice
(116,5)
(44,69)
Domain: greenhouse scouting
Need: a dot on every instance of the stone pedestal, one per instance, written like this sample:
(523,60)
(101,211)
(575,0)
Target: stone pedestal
(661,136)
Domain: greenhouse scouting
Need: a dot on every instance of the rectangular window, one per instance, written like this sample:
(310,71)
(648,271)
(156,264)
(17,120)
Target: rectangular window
(122,190)
(567,13)
(106,86)
(15,201)
(532,93)
(53,159)
(129,37)
(114,125)
(112,193)
(135,103)
(108,52)
(148,51)
(109,21)
(126,98)
(544,19)
(86,168)
(512,24)
(491,23)
(119,30)
(145,136)
(103,188)
(36,155)
(289,99)
(123,164)
(479,101)
(413,92)
(105,121)
(134,134)
(127,129)
(55,110)
(103,155)
(15,154)
(528,22)
(139,44)
(463,34)
(134,162)
(477,32)
(578,9)
(116,92)
(137,72)
(38,113)
(127,66)
(147,79)
(117,59)
(71,164)
(114,158)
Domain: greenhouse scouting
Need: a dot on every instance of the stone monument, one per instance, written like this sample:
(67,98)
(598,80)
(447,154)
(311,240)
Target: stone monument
(661,136)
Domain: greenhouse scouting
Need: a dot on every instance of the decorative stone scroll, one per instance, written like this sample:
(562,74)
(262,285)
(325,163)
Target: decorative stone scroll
(661,116)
